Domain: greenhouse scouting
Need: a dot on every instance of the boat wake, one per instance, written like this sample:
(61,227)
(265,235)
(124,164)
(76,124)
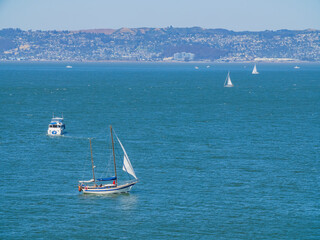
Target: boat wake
(83,137)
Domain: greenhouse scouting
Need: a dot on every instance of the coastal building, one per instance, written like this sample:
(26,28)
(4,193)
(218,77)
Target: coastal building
(183,56)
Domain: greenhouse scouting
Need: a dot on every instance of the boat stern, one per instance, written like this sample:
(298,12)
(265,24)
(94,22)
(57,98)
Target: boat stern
(55,131)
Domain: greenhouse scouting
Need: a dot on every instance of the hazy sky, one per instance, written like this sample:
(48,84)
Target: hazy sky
(235,15)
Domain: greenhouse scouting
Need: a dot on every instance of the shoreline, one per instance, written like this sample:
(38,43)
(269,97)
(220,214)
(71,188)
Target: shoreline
(162,62)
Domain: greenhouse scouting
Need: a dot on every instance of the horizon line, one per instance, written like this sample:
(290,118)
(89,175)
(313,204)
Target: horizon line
(115,29)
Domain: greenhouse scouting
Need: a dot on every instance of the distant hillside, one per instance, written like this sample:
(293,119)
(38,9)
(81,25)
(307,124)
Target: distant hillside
(105,31)
(159,44)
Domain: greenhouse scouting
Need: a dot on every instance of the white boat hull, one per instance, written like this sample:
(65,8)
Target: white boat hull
(55,131)
(103,190)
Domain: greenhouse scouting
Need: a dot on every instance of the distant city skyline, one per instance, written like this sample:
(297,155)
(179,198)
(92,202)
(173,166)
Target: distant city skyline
(245,15)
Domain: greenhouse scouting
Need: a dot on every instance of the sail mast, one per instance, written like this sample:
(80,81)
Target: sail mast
(114,157)
(94,179)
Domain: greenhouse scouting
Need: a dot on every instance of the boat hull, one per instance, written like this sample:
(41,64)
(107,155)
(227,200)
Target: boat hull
(119,189)
(56,132)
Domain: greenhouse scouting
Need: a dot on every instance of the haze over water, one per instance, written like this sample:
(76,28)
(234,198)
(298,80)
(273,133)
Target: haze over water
(213,162)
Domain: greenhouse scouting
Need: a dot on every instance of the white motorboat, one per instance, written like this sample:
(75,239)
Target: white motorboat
(56,126)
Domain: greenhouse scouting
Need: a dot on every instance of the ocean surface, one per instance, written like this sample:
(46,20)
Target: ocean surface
(212,162)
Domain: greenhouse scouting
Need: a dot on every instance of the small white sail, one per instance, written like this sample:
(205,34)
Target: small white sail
(127,167)
(254,71)
(228,82)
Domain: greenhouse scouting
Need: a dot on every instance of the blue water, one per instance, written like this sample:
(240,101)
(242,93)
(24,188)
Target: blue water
(213,162)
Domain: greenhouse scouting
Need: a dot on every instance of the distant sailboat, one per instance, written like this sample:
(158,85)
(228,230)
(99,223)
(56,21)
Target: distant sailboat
(296,67)
(254,71)
(228,82)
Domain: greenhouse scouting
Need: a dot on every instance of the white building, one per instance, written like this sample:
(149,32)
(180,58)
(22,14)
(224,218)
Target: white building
(183,56)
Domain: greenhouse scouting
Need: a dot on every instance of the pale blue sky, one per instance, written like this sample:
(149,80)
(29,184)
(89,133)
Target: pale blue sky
(238,15)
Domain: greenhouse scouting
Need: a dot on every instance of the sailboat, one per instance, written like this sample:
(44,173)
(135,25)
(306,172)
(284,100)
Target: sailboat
(254,71)
(95,186)
(227,82)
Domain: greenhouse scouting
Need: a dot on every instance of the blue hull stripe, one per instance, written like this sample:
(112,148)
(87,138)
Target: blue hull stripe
(108,190)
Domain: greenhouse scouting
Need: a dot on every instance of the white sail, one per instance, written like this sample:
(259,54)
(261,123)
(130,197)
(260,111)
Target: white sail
(228,82)
(254,71)
(127,167)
